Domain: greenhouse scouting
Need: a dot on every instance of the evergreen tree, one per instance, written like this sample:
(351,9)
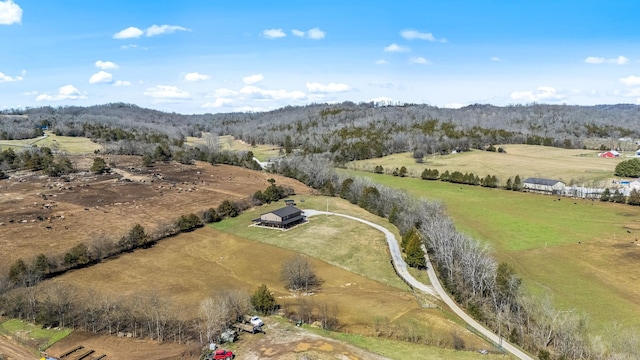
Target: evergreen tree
(99,166)
(517,184)
(606,195)
(263,300)
(415,255)
(634,198)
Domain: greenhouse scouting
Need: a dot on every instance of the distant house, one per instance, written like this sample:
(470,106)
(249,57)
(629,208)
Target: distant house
(609,154)
(282,218)
(638,153)
(545,186)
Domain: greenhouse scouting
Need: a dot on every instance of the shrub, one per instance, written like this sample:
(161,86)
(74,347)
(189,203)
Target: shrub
(628,168)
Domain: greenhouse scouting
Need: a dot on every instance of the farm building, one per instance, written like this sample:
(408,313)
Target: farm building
(609,154)
(545,186)
(282,218)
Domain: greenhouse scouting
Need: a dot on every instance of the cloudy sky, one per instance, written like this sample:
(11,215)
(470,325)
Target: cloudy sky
(202,56)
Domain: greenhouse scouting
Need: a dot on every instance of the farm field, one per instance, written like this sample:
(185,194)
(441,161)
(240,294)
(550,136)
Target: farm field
(51,215)
(582,167)
(583,254)
(192,266)
(65,144)
(227,142)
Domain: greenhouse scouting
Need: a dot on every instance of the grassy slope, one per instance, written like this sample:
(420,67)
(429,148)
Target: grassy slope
(580,166)
(227,142)
(577,251)
(68,144)
(33,334)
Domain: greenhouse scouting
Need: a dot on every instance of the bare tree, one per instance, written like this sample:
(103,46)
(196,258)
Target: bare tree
(299,274)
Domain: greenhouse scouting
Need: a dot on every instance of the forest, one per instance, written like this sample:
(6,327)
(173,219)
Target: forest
(318,137)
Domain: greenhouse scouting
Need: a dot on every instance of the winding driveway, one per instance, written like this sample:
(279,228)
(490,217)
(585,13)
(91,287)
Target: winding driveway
(435,289)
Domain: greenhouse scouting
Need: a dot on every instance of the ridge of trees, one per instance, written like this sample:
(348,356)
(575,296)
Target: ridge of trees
(347,130)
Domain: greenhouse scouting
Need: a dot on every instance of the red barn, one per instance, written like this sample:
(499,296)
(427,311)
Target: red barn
(609,154)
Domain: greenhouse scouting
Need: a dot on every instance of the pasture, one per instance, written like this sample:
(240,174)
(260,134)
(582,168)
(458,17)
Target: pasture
(192,266)
(262,152)
(582,253)
(63,144)
(572,166)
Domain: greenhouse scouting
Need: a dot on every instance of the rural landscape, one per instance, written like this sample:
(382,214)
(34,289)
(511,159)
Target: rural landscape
(137,238)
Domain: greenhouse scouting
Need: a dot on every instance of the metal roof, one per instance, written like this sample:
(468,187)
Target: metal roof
(286,211)
(539,181)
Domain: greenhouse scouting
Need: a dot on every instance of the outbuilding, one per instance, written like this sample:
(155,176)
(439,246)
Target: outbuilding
(545,186)
(609,154)
(282,218)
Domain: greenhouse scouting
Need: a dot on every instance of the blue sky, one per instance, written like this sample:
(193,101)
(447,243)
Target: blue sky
(221,56)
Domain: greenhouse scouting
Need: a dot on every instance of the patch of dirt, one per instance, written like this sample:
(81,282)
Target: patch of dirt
(39,214)
(12,350)
(286,342)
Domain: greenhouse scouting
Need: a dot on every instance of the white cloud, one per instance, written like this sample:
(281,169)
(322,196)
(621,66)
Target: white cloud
(256,92)
(542,93)
(7,78)
(419,60)
(411,34)
(273,33)
(106,65)
(329,88)
(381,62)
(252,79)
(10,13)
(153,30)
(316,34)
(630,80)
(219,102)
(166,93)
(495,58)
(620,60)
(396,48)
(194,76)
(67,92)
(128,33)
(122,83)
(100,77)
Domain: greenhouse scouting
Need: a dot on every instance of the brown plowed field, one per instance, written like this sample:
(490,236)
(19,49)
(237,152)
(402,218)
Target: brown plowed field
(39,214)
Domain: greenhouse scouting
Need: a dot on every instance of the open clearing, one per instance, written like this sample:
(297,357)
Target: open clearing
(583,253)
(227,142)
(569,165)
(63,144)
(50,215)
(192,266)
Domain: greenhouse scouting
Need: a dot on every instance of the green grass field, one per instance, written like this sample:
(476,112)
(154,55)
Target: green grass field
(33,334)
(65,144)
(582,253)
(227,142)
(342,242)
(568,165)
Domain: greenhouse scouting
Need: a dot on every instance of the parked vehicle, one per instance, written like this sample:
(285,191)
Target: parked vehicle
(220,354)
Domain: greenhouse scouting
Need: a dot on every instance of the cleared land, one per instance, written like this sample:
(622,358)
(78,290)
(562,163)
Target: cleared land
(227,142)
(51,215)
(582,167)
(192,266)
(582,253)
(63,144)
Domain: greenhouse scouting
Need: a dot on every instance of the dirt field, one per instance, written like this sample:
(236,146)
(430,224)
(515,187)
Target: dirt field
(281,341)
(50,215)
(12,350)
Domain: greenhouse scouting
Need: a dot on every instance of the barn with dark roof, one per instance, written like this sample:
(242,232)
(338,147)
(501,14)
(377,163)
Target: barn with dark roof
(282,218)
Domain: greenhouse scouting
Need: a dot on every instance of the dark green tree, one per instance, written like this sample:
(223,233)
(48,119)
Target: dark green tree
(228,209)
(628,168)
(517,184)
(263,300)
(17,271)
(99,166)
(508,186)
(378,169)
(210,216)
(415,255)
(189,223)
(606,195)
(135,238)
(402,172)
(618,197)
(78,255)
